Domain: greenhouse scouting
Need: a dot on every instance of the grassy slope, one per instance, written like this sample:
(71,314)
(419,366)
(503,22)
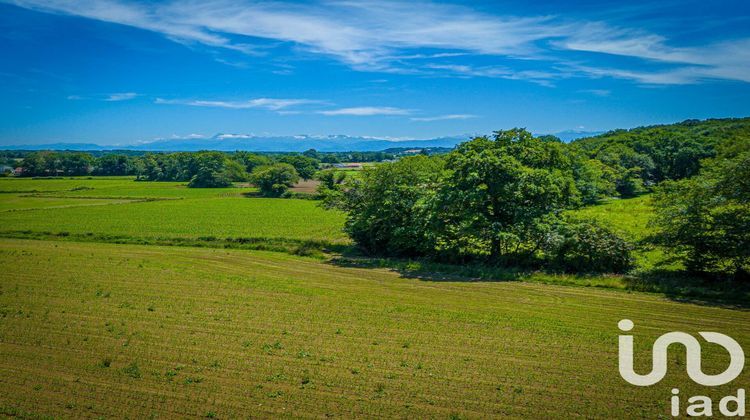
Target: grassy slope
(240,333)
(630,217)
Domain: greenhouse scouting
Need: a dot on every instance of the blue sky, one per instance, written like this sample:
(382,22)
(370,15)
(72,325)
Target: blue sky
(124,71)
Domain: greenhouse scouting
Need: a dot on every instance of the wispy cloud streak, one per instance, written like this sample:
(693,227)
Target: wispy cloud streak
(444,117)
(262,103)
(366,111)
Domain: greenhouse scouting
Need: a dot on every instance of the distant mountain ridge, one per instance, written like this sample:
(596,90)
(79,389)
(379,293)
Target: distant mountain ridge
(252,143)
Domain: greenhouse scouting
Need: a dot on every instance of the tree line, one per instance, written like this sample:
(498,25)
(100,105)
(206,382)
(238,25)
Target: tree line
(274,173)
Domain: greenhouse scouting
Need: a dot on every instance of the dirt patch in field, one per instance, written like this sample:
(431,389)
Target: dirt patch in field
(309,186)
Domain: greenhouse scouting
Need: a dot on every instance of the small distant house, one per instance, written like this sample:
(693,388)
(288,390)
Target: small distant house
(350,165)
(18,171)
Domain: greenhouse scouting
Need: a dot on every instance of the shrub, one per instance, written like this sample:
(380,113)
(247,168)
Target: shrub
(274,180)
(386,206)
(587,246)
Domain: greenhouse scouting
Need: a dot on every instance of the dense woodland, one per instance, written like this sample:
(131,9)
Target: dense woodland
(499,200)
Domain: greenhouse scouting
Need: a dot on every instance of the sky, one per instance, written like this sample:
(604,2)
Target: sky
(118,72)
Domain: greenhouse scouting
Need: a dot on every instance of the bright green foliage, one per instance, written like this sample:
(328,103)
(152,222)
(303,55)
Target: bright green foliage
(707,218)
(251,160)
(234,170)
(274,180)
(594,179)
(630,167)
(305,166)
(387,205)
(491,200)
(330,189)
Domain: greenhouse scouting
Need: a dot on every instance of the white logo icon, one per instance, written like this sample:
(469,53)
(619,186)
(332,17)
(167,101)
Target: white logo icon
(693,357)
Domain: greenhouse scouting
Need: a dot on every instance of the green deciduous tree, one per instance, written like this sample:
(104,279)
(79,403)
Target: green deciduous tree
(274,180)
(305,166)
(210,171)
(386,206)
(498,195)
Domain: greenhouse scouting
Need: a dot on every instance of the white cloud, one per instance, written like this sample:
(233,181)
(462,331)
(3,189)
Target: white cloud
(444,117)
(262,103)
(366,111)
(382,36)
(111,97)
(116,97)
(597,92)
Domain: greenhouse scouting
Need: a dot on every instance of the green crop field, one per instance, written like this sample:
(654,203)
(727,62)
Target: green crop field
(164,211)
(173,331)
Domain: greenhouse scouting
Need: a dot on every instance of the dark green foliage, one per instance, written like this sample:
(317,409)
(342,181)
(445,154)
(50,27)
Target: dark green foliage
(497,196)
(673,151)
(312,153)
(587,246)
(201,169)
(213,170)
(706,219)
(274,180)
(113,165)
(57,164)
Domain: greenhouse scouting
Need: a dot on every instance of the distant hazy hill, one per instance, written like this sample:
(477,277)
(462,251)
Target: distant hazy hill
(570,135)
(232,142)
(713,129)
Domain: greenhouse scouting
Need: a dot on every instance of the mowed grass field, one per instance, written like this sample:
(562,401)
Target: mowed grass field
(90,330)
(125,210)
